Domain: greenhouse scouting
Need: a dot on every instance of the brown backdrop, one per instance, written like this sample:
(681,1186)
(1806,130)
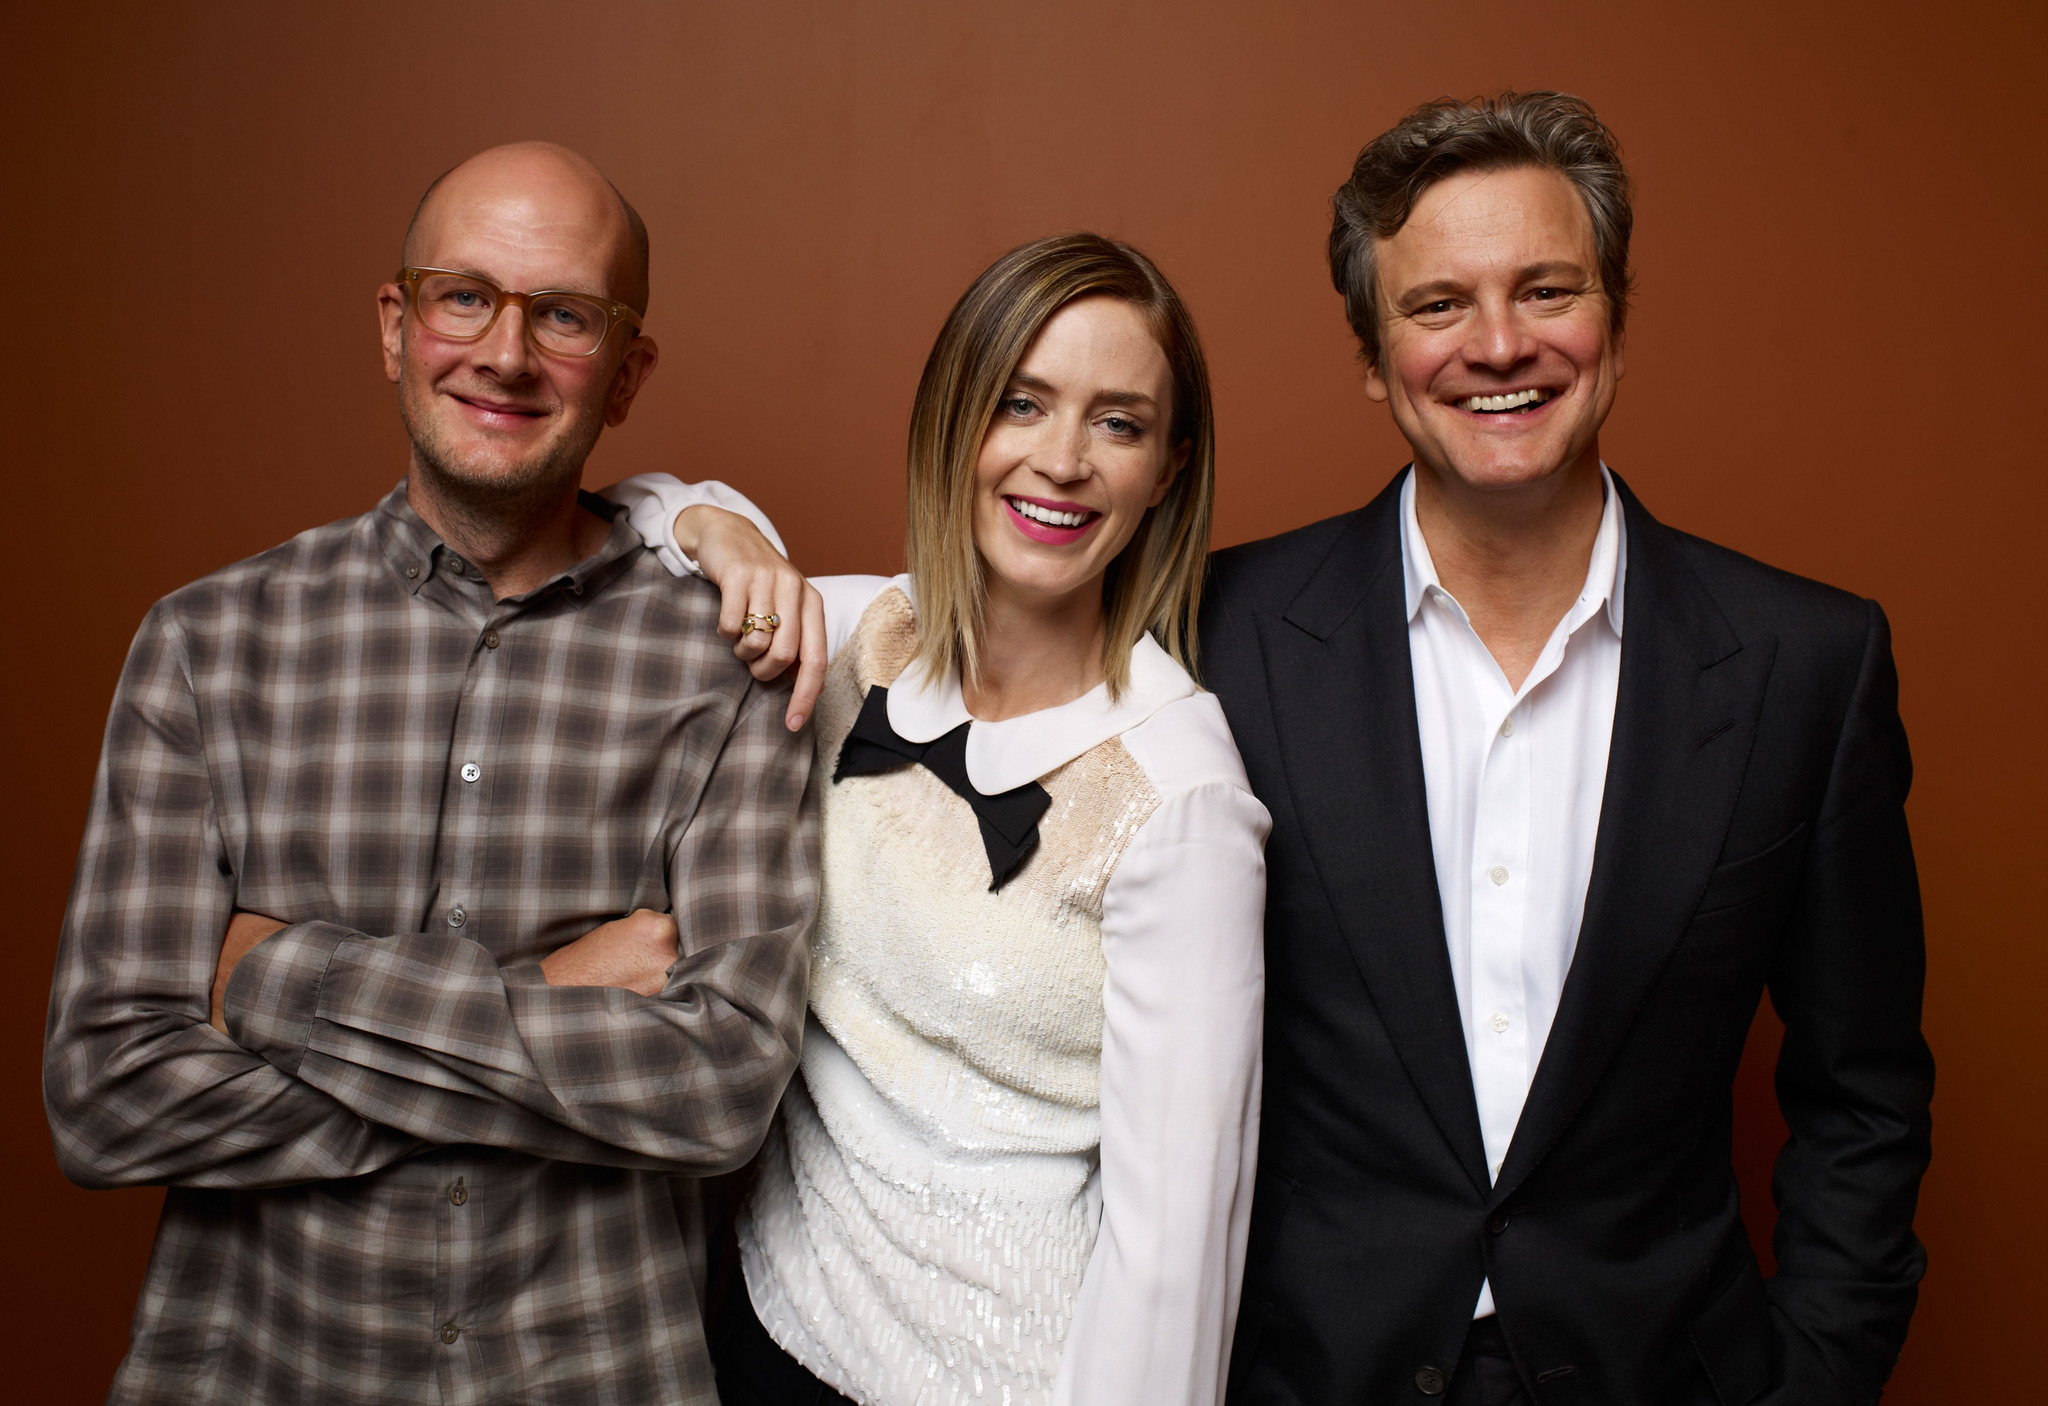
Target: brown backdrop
(1833,366)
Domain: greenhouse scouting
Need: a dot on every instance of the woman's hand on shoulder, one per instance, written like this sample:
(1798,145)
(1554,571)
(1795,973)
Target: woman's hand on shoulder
(755,584)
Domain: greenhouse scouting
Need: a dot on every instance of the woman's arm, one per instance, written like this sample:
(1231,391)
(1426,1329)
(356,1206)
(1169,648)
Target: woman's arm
(708,529)
(1183,933)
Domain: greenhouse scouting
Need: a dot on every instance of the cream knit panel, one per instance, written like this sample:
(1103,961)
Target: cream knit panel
(921,974)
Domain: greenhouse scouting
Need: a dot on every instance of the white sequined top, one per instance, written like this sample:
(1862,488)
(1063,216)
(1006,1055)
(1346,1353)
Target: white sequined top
(1016,1165)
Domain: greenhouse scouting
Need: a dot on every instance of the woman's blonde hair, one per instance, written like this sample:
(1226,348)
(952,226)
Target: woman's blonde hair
(1155,583)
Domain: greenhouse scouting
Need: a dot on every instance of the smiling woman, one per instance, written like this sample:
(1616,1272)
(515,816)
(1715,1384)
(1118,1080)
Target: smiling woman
(1112,394)
(1018,1159)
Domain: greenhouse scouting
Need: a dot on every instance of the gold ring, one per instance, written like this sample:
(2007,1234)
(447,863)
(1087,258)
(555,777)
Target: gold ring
(767,624)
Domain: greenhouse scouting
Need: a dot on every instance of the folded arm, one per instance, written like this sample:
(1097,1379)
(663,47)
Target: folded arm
(427,1034)
(1182,929)
(139,1087)
(348,1051)
(1854,1074)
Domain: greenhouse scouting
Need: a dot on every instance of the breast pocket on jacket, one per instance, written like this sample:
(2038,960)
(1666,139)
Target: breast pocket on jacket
(1754,877)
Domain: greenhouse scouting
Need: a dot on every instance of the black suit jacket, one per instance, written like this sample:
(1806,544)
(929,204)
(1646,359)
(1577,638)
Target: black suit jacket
(1752,832)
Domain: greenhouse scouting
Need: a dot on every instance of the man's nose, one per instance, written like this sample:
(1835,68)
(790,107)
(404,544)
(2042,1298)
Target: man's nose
(1500,338)
(506,349)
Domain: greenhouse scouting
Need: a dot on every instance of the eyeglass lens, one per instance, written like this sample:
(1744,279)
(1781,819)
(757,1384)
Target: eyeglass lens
(456,306)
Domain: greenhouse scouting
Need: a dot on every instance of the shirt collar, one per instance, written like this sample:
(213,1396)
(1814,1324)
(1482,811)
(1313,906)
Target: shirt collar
(1002,756)
(415,553)
(1605,573)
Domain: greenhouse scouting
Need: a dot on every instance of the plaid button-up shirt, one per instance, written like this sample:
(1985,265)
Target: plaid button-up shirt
(417,1172)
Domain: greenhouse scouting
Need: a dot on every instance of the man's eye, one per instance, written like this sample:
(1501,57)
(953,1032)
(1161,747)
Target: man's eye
(1435,309)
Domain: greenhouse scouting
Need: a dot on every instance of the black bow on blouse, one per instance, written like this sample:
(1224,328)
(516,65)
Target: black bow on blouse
(1009,820)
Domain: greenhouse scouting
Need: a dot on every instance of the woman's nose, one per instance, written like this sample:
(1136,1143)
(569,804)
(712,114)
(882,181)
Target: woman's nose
(1066,456)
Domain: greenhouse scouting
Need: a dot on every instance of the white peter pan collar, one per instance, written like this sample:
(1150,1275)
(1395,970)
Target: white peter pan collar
(1002,756)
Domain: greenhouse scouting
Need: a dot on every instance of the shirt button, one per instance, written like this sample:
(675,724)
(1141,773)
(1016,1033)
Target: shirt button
(1498,873)
(458,1193)
(1507,729)
(412,573)
(1499,1023)
(490,639)
(455,565)
(449,1332)
(457,917)
(1430,1382)
(471,771)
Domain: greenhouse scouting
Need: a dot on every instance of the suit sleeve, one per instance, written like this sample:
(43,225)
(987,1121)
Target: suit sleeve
(1854,1075)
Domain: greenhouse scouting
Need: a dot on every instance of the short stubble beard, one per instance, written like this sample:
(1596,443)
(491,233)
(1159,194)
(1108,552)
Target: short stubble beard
(495,508)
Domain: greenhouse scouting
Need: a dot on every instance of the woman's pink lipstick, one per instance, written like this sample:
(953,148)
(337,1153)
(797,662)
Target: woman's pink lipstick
(1044,531)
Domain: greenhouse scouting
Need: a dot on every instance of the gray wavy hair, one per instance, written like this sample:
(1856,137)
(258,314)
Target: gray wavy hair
(1554,131)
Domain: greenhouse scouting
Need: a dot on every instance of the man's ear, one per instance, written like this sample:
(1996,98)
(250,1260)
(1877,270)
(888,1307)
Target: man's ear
(390,319)
(1375,381)
(634,368)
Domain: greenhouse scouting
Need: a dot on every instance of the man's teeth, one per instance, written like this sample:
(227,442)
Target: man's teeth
(1514,401)
(1047,515)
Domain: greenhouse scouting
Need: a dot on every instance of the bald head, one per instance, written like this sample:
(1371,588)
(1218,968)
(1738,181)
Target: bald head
(534,198)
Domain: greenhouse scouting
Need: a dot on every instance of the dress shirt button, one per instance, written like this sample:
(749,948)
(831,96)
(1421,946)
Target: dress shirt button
(455,565)
(1499,1023)
(1498,873)
(412,573)
(490,639)
(1497,1222)
(449,1332)
(1507,729)
(1430,1382)
(457,916)
(458,1193)
(471,771)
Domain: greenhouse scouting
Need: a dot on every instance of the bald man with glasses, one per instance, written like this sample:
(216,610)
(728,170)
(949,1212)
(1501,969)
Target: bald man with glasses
(447,885)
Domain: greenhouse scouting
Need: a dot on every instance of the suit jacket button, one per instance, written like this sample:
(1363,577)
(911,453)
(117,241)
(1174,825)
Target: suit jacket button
(1430,1382)
(1497,1222)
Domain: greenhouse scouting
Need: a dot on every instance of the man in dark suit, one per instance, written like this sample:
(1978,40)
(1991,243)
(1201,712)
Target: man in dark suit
(1556,792)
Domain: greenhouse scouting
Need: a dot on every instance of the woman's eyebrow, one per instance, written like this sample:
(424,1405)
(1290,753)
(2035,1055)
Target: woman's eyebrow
(1024,380)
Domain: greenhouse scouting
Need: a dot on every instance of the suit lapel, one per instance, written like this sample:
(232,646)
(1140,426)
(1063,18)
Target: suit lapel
(1684,717)
(1343,697)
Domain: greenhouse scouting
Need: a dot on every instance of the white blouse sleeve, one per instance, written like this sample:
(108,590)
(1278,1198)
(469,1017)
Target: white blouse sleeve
(653,500)
(1183,934)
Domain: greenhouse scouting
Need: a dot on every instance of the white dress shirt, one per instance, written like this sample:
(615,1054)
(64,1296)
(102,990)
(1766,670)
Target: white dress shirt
(1515,778)
(1163,1162)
